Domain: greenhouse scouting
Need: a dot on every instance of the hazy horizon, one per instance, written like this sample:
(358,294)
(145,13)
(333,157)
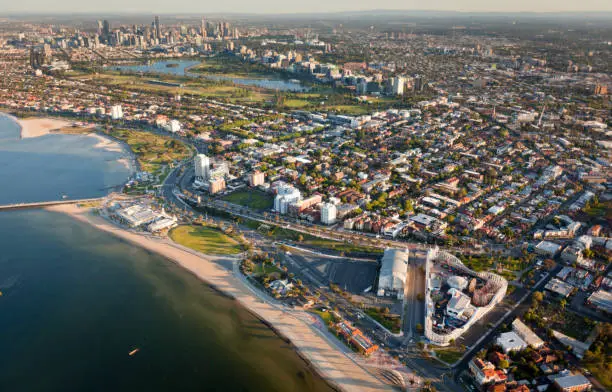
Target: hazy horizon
(314,6)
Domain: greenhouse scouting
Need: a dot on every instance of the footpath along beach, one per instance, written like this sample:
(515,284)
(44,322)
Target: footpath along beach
(336,367)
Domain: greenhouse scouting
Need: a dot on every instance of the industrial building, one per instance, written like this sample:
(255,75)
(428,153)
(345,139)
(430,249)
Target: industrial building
(393,270)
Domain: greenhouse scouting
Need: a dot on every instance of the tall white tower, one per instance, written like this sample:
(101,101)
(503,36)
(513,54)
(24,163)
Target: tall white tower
(202,166)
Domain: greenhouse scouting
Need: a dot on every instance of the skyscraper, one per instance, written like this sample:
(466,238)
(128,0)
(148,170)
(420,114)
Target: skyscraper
(397,85)
(203,28)
(157,28)
(106,30)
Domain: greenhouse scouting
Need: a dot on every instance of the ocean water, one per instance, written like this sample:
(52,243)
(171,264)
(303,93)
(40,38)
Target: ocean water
(75,301)
(47,167)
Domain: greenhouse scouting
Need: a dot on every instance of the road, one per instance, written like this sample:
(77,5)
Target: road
(414,309)
(443,378)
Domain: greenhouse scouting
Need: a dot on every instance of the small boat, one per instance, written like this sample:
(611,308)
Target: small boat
(134,351)
(64,197)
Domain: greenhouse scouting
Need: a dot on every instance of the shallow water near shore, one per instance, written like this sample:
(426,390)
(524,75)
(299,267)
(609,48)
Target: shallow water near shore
(47,167)
(77,300)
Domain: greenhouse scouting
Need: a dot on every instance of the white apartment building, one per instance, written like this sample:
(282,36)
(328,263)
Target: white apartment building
(286,196)
(328,213)
(116,112)
(202,166)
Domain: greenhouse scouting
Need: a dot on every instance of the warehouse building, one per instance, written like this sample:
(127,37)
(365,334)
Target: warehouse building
(393,270)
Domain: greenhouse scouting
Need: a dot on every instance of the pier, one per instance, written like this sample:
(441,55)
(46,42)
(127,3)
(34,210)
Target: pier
(42,204)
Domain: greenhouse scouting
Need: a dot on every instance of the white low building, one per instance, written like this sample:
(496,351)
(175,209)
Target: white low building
(511,341)
(525,333)
(459,306)
(162,224)
(393,271)
(137,215)
(173,126)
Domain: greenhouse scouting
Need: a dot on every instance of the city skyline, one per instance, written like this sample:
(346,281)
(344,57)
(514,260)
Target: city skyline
(317,6)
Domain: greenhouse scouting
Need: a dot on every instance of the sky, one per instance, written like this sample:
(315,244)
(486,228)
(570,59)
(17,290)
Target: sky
(297,6)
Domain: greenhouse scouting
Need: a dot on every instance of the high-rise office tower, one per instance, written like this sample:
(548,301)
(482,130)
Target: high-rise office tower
(203,28)
(106,30)
(157,28)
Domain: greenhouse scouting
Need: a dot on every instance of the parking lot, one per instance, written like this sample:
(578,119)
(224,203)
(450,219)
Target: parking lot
(349,274)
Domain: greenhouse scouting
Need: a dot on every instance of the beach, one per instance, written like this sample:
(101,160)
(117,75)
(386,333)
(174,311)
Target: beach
(36,127)
(324,354)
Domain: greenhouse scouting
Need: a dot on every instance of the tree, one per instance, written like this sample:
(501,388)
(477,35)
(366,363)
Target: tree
(549,264)
(408,207)
(504,364)
(538,296)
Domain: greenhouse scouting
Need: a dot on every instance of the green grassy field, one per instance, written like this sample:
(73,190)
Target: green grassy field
(449,355)
(251,198)
(152,151)
(204,239)
(262,268)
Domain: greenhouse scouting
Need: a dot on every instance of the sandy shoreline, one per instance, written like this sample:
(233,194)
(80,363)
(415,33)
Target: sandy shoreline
(333,365)
(36,127)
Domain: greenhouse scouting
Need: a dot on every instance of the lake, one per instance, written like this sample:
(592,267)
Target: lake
(181,69)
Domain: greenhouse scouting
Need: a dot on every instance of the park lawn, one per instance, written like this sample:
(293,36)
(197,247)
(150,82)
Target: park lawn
(204,239)
(250,198)
(449,355)
(152,151)
(295,103)
(354,110)
(203,88)
(265,269)
(477,263)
